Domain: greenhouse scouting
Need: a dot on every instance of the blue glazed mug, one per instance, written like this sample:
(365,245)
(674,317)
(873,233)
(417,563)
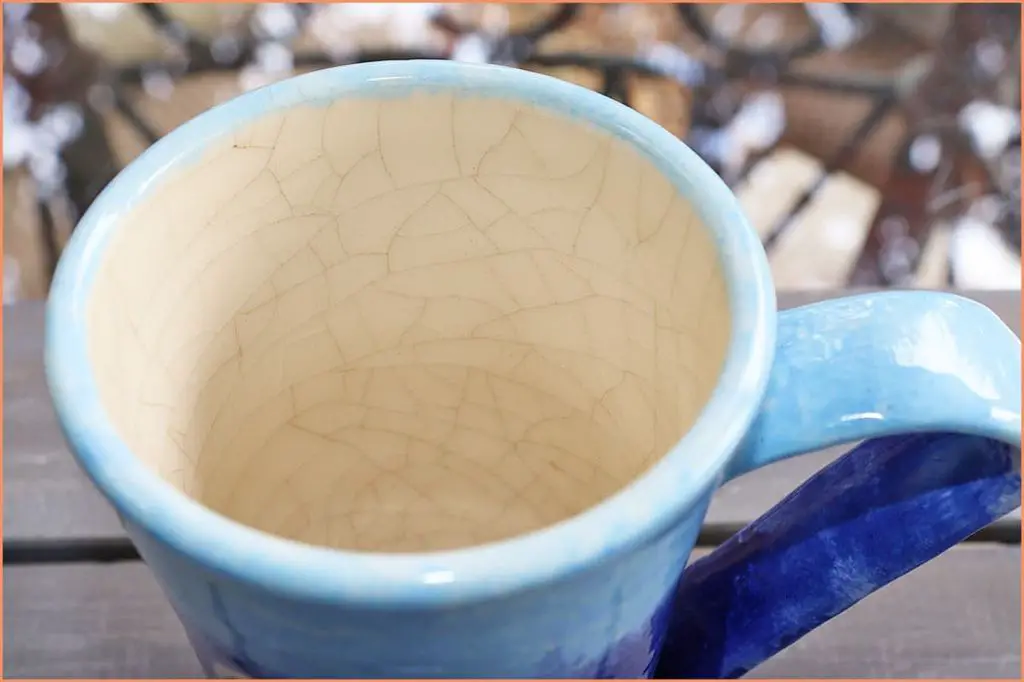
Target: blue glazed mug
(422,369)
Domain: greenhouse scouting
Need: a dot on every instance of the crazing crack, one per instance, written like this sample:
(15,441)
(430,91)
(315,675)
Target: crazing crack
(482,377)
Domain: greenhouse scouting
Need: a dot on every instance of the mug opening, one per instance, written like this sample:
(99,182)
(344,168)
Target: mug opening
(645,507)
(408,324)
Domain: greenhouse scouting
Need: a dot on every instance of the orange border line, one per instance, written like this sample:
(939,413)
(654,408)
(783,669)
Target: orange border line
(228,2)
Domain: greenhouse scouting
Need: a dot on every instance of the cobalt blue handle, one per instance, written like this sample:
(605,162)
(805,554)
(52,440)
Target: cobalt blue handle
(934,382)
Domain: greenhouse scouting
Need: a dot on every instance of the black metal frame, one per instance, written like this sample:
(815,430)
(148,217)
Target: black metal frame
(520,48)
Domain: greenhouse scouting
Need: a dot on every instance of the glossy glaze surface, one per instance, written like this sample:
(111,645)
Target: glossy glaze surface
(882,364)
(590,595)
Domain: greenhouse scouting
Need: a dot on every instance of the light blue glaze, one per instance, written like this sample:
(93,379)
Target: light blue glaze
(882,364)
(589,597)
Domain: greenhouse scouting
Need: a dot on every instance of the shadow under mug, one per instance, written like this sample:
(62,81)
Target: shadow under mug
(425,369)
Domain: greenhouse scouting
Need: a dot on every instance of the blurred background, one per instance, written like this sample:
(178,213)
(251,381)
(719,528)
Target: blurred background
(870,145)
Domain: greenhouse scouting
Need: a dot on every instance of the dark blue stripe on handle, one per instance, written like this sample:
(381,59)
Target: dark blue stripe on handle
(876,513)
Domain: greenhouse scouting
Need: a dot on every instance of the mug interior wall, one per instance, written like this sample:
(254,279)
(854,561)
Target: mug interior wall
(408,324)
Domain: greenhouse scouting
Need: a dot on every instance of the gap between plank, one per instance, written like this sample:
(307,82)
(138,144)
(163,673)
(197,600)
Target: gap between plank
(117,550)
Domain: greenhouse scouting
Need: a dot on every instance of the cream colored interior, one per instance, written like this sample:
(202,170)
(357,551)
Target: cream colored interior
(408,324)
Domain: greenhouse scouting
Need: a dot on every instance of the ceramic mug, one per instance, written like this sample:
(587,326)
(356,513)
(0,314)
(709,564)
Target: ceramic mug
(424,369)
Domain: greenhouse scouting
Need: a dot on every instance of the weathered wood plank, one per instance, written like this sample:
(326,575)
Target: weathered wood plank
(91,620)
(48,497)
(958,616)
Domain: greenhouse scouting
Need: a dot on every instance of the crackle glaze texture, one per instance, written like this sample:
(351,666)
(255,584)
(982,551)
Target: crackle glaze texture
(408,324)
(425,305)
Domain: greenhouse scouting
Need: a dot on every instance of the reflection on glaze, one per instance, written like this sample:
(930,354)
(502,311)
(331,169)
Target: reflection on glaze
(405,325)
(881,364)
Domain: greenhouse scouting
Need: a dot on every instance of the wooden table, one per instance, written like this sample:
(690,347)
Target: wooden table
(79,603)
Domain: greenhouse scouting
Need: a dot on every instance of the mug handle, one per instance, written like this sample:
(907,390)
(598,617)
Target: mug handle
(934,381)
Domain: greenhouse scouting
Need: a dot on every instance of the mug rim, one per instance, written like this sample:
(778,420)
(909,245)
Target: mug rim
(645,508)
